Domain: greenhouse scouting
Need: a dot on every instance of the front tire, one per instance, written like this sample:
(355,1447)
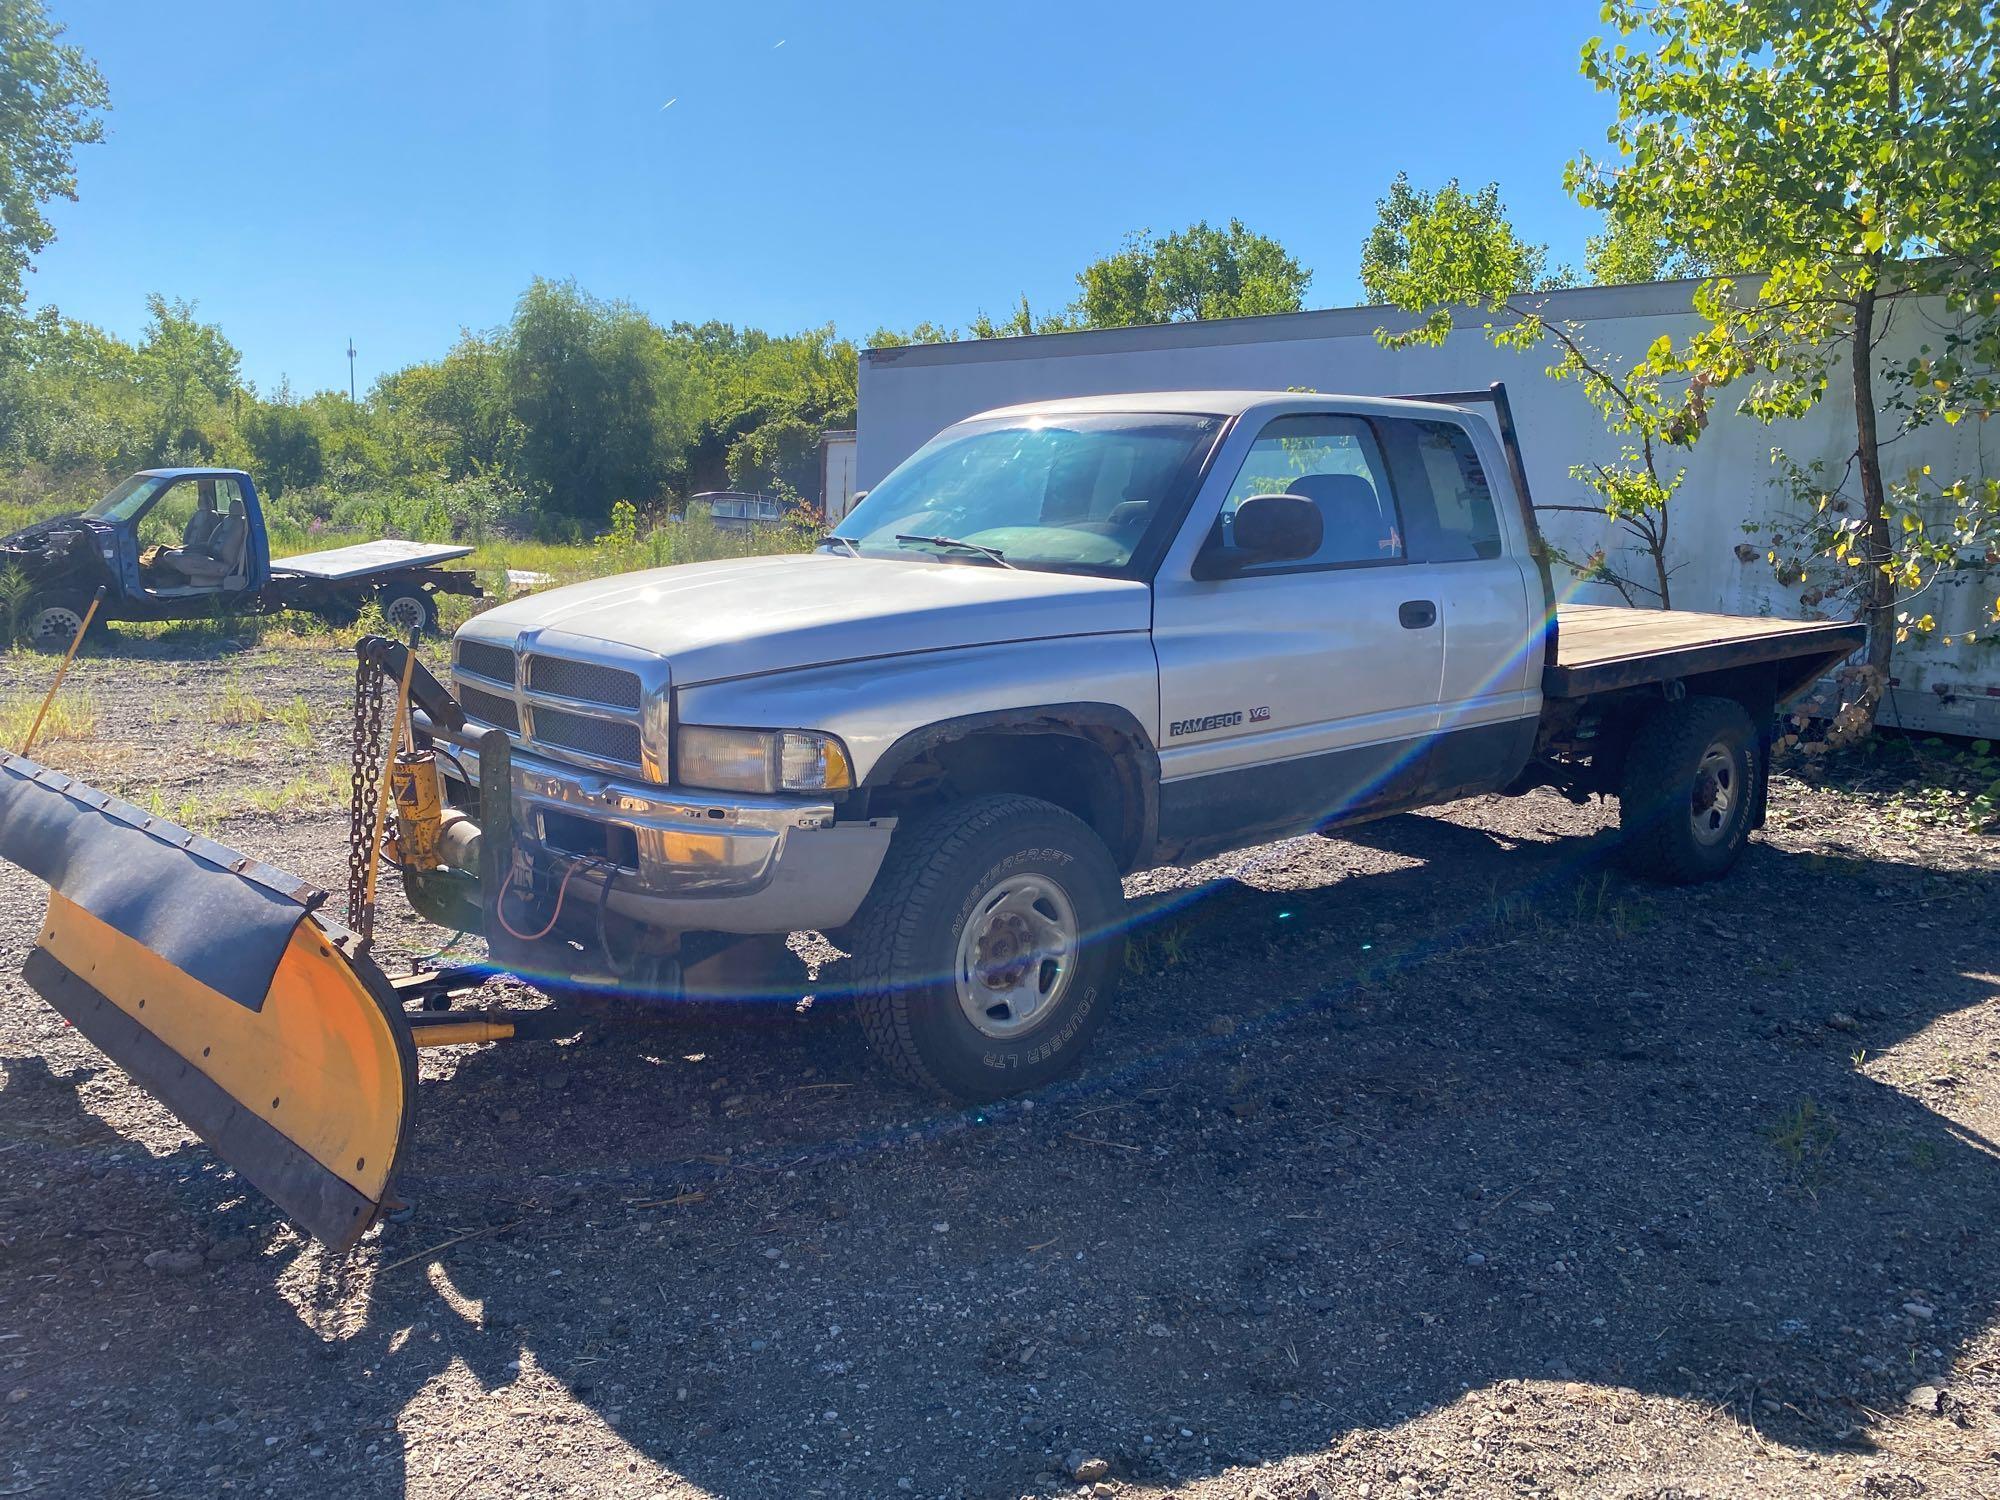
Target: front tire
(1689,790)
(985,954)
(50,621)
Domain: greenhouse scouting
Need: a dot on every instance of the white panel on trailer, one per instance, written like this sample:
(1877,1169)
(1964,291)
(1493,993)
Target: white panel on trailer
(364,558)
(1729,499)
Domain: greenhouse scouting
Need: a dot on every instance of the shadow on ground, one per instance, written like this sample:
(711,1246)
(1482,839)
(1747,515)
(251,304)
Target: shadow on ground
(1473,1109)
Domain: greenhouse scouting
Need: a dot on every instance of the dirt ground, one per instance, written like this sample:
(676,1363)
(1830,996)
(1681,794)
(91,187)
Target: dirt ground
(1438,1159)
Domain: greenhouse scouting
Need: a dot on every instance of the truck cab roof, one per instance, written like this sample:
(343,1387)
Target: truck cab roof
(1217,404)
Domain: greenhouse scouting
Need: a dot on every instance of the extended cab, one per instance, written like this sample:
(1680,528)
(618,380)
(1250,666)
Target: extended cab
(1067,641)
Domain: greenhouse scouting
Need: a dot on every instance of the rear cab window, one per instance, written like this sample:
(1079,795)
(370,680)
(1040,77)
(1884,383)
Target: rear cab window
(1446,497)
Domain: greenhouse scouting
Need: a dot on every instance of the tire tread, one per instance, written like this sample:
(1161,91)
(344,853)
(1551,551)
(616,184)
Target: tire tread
(892,916)
(1669,739)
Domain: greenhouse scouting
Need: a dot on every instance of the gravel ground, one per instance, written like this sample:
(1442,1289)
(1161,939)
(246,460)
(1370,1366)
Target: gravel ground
(1439,1159)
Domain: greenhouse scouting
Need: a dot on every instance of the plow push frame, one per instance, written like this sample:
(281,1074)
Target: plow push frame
(225,988)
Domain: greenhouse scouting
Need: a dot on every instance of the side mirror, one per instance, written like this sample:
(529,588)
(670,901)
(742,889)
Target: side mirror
(1275,529)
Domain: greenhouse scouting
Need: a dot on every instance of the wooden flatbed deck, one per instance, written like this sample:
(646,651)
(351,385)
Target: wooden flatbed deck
(1600,648)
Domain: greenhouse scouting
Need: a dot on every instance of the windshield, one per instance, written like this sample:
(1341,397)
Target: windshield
(1069,493)
(127,500)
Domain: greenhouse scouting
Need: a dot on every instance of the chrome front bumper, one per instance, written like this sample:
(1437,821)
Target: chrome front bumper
(708,862)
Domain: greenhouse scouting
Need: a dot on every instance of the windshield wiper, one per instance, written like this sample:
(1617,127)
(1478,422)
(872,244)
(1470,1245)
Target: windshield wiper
(951,541)
(845,541)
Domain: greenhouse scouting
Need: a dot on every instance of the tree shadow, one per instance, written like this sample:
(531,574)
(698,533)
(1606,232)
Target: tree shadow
(1470,1114)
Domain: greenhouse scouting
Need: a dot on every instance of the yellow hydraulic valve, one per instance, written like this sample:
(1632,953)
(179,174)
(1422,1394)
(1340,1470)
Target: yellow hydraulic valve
(413,782)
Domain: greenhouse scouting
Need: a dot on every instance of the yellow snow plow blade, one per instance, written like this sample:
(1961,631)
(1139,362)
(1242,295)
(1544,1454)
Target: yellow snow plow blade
(204,975)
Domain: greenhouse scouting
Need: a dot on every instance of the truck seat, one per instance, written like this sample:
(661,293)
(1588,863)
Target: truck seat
(1356,529)
(224,556)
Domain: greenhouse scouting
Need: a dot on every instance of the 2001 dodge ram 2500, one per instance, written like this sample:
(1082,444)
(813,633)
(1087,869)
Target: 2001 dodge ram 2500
(1067,641)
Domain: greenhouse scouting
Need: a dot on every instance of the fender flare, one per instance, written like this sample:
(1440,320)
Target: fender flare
(1115,730)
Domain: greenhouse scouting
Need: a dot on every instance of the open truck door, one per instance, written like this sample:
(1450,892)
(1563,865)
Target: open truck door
(211,978)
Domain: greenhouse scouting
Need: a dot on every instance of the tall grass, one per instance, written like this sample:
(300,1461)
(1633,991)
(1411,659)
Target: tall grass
(73,716)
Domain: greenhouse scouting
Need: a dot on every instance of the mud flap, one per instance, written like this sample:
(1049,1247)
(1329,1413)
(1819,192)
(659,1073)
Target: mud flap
(204,975)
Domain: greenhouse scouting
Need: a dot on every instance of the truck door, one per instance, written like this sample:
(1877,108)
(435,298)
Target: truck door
(1304,692)
(1484,582)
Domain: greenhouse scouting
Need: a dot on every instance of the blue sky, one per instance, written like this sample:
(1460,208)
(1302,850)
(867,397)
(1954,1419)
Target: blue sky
(399,171)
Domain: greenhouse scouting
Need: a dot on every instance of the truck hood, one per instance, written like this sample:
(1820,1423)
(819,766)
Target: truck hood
(741,617)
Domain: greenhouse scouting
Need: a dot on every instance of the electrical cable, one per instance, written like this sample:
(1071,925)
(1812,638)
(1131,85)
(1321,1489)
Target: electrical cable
(500,906)
(621,970)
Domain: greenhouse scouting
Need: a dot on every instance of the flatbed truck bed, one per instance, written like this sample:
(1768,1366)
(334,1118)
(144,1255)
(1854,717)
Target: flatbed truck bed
(1603,648)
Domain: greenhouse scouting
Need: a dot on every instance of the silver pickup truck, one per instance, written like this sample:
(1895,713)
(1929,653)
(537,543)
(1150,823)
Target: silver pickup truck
(1067,641)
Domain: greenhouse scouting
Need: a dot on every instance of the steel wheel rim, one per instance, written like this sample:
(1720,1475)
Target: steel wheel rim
(406,613)
(55,625)
(1717,791)
(1017,955)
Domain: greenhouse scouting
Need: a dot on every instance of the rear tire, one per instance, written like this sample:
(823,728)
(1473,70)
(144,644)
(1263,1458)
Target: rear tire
(1689,790)
(985,954)
(408,608)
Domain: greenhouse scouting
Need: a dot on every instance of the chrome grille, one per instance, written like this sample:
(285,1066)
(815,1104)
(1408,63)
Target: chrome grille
(583,680)
(487,660)
(606,739)
(489,708)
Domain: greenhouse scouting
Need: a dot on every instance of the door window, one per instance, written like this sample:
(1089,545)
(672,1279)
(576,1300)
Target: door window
(167,521)
(1335,463)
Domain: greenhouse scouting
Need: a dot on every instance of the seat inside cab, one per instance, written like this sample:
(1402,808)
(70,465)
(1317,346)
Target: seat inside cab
(195,539)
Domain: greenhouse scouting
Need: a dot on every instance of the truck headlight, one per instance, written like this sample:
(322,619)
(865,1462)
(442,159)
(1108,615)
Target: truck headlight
(760,760)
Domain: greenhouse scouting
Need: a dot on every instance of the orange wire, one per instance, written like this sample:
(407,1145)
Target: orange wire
(500,906)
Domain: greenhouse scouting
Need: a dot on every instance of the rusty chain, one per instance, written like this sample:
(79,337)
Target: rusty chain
(370,683)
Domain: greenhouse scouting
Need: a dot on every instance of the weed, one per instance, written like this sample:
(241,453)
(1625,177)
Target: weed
(1154,950)
(317,789)
(15,587)
(296,716)
(1804,1137)
(238,708)
(73,716)
(1509,908)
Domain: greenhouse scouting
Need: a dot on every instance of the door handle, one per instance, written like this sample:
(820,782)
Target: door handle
(1417,614)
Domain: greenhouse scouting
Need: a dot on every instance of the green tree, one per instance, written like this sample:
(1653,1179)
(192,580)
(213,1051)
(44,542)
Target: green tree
(923,333)
(451,415)
(51,98)
(591,387)
(1842,158)
(192,376)
(1432,246)
(285,447)
(1197,272)
(1433,252)
(1635,246)
(1023,320)
(780,457)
